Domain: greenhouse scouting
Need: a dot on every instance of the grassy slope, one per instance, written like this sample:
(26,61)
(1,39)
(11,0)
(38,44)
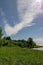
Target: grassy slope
(19,56)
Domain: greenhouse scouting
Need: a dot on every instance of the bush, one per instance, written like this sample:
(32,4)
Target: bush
(0,42)
(31,43)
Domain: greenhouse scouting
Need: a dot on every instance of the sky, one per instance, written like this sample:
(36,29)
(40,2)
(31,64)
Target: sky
(21,19)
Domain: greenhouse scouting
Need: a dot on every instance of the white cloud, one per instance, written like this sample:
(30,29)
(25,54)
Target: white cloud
(39,41)
(2,12)
(27,11)
(41,28)
(3,15)
(26,5)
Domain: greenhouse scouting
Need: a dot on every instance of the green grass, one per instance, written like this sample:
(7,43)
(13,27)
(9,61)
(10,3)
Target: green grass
(20,56)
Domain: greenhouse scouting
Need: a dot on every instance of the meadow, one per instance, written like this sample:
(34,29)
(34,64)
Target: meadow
(20,56)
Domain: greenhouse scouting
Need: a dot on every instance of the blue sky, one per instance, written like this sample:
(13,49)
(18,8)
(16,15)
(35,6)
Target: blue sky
(22,19)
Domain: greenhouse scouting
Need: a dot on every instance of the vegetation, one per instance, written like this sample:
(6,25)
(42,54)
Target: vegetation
(1,32)
(6,41)
(19,52)
(20,43)
(20,56)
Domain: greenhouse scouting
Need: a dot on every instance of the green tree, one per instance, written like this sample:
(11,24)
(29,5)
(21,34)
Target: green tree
(1,36)
(31,43)
(7,38)
(1,32)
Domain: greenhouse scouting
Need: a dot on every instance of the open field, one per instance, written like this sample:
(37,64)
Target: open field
(20,56)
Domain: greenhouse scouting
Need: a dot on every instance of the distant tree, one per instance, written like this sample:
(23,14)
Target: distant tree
(22,40)
(0,36)
(1,32)
(6,41)
(7,38)
(31,43)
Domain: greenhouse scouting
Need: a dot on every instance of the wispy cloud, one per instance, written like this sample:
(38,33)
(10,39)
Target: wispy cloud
(2,12)
(39,41)
(41,28)
(29,8)
(3,16)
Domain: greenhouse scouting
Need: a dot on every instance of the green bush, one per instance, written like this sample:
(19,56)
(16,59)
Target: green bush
(31,43)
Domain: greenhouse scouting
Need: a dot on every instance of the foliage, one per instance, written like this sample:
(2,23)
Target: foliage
(1,32)
(6,41)
(7,38)
(20,56)
(31,43)
(22,43)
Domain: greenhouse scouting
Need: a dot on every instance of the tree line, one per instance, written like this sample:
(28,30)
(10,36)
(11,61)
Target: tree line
(6,41)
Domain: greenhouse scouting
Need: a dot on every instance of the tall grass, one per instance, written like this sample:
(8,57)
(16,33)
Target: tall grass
(20,56)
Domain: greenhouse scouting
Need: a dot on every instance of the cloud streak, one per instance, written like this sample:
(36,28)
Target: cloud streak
(39,41)
(41,28)
(27,10)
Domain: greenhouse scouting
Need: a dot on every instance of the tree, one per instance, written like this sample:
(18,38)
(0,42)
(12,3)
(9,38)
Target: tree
(31,43)
(1,32)
(7,38)
(0,36)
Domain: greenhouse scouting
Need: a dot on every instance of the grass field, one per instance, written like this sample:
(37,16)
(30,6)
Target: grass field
(20,56)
